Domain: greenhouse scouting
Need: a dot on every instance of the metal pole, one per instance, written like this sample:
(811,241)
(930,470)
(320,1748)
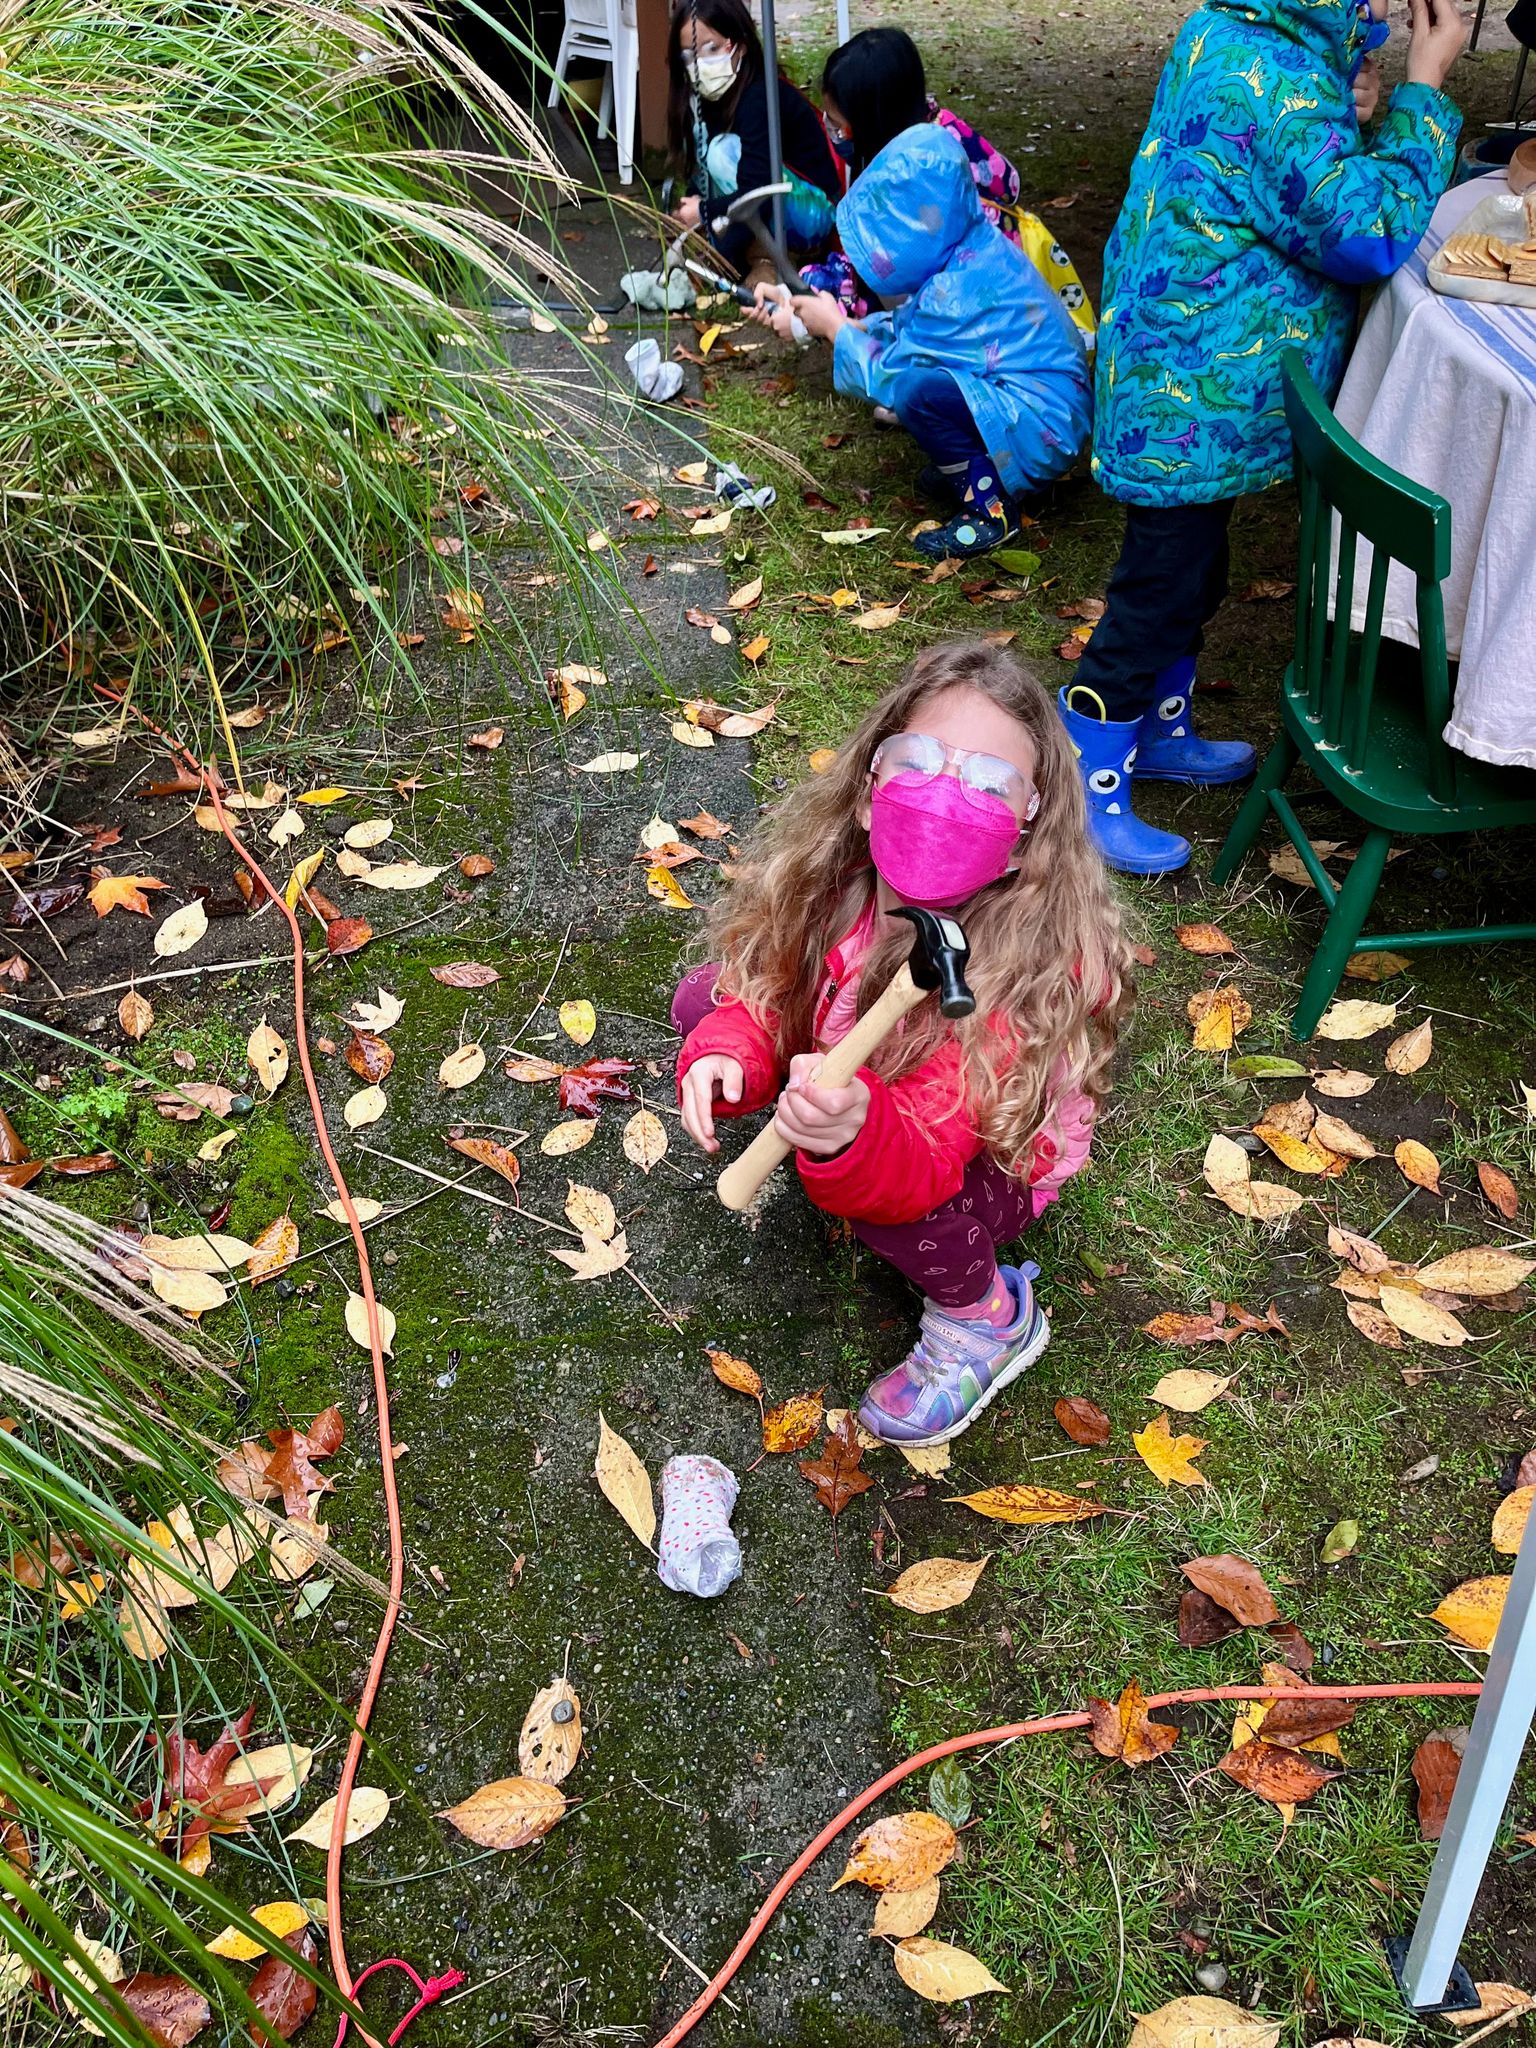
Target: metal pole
(1499,1729)
(844,31)
(775,133)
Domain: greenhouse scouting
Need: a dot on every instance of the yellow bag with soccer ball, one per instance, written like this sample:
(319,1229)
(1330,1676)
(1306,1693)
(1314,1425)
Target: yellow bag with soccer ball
(1056,267)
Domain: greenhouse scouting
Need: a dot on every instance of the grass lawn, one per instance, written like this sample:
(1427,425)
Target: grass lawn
(1095,1893)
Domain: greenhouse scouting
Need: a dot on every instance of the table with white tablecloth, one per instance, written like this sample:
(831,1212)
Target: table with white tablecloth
(1444,390)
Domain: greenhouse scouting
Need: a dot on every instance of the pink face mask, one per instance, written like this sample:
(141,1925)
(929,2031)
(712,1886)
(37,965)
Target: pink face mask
(935,843)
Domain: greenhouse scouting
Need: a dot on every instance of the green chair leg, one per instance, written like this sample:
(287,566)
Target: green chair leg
(1246,826)
(1346,921)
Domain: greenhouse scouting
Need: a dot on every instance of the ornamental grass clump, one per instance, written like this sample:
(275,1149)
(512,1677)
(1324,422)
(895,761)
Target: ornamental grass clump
(107,1901)
(246,340)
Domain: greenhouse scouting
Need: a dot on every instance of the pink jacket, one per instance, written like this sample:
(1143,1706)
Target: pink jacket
(918,1138)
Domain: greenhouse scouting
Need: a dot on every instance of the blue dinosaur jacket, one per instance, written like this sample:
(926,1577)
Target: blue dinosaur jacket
(1254,213)
(973,304)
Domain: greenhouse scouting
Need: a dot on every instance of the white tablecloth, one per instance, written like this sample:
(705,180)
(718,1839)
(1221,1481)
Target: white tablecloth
(1444,390)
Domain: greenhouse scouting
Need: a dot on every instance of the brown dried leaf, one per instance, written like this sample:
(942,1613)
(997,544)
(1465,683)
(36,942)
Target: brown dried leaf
(1285,1777)
(1083,1420)
(1405,1055)
(836,1474)
(1203,1622)
(1493,1180)
(1436,1766)
(1125,1733)
(465,974)
(1233,1583)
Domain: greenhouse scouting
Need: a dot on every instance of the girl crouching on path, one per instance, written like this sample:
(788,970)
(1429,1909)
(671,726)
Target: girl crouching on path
(958,791)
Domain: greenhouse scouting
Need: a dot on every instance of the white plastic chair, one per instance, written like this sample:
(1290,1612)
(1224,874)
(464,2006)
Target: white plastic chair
(605,30)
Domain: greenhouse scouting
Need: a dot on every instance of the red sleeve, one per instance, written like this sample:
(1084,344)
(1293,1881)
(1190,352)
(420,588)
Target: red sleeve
(734,1030)
(912,1153)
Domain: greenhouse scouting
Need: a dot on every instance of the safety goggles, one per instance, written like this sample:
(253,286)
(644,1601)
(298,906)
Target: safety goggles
(980,776)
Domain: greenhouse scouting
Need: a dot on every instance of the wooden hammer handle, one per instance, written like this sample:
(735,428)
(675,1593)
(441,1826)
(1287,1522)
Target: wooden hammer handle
(740,1181)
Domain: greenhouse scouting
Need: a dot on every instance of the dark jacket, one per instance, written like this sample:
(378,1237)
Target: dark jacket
(806,151)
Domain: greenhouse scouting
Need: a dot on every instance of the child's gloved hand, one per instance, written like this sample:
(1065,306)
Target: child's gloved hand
(821,1121)
(1367,90)
(697,1096)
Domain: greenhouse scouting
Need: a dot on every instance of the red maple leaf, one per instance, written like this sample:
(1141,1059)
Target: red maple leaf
(584,1089)
(192,1787)
(835,1474)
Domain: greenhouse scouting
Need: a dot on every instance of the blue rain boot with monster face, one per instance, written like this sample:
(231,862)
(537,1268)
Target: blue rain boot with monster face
(984,521)
(1169,750)
(1106,754)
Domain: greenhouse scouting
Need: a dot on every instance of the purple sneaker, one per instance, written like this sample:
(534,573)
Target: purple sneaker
(953,1370)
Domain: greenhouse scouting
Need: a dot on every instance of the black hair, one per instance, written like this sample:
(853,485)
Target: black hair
(876,81)
(728,18)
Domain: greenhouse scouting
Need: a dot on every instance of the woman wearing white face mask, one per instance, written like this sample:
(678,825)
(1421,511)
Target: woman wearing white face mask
(718,129)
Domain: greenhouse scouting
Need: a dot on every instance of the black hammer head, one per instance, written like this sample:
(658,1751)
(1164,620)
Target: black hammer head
(939,954)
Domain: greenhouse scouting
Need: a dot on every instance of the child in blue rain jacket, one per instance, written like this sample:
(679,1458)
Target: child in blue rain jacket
(1255,211)
(977,358)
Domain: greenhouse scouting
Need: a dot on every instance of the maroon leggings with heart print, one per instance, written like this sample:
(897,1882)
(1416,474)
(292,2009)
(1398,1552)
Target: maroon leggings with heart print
(949,1254)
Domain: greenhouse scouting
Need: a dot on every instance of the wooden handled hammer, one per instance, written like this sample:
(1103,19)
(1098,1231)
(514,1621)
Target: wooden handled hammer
(937,961)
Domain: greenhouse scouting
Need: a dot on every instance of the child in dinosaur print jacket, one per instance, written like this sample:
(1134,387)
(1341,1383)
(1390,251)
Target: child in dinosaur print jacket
(1256,209)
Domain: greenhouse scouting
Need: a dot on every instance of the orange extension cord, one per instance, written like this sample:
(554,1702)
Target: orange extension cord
(430,1988)
(1049,1724)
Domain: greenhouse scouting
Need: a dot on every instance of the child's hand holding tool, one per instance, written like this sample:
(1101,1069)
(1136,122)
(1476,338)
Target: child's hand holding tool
(821,1121)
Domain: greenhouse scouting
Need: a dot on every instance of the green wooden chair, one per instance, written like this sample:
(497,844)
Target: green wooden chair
(1371,739)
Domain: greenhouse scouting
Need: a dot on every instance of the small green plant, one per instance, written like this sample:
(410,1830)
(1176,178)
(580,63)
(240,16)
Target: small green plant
(95,1113)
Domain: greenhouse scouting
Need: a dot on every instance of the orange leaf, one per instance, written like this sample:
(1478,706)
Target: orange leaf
(1285,1777)
(1203,938)
(122,892)
(791,1425)
(1124,1732)
(499,1158)
(734,1373)
(277,1247)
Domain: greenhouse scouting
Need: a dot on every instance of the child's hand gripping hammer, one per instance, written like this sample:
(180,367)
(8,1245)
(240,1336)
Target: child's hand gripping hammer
(937,961)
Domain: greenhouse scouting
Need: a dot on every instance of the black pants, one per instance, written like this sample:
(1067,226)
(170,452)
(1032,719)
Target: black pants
(1168,582)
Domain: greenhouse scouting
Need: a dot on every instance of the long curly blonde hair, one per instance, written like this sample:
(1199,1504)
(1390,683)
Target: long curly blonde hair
(1049,961)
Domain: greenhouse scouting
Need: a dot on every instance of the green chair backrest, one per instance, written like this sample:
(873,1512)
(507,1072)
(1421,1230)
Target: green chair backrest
(1401,521)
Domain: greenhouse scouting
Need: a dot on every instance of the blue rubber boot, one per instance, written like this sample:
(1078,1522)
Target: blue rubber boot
(984,521)
(1169,750)
(1106,753)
